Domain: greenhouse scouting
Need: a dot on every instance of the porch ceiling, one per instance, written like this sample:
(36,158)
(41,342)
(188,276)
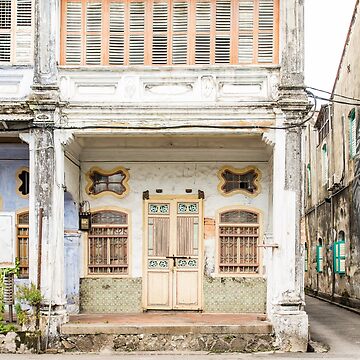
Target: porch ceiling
(171,148)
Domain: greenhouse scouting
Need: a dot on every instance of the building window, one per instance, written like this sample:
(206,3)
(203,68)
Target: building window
(16,31)
(169,32)
(325,163)
(323,122)
(319,256)
(114,181)
(352,133)
(22,228)
(238,242)
(340,254)
(234,181)
(108,243)
(306,258)
(24,178)
(308,172)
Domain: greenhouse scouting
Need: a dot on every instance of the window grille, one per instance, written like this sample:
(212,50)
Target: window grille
(23,244)
(16,31)
(238,242)
(239,180)
(169,32)
(108,243)
(101,182)
(24,178)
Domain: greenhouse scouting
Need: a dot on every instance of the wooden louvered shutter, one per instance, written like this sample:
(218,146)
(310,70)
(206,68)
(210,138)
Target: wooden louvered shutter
(180,32)
(160,33)
(93,32)
(266,31)
(117,33)
(246,31)
(137,33)
(203,28)
(5,31)
(73,39)
(223,27)
(24,32)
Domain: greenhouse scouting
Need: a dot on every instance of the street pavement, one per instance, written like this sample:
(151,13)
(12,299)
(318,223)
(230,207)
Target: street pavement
(329,324)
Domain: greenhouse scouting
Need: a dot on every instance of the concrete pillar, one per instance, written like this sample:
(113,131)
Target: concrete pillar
(45,44)
(285,275)
(47,169)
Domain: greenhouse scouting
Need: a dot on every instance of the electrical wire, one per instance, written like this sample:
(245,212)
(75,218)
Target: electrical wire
(332,94)
(337,101)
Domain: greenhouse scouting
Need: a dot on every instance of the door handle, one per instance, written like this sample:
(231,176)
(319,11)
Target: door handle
(177,257)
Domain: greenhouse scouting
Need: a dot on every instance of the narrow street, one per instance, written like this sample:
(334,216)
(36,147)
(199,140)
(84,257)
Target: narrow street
(329,324)
(332,325)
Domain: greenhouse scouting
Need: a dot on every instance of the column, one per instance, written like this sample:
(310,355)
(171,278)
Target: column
(47,170)
(285,276)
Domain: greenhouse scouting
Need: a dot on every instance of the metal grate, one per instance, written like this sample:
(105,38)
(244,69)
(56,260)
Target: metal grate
(108,244)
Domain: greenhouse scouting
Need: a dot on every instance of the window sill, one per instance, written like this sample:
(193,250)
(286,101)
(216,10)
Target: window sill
(150,68)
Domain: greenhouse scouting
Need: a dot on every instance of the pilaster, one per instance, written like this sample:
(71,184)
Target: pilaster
(286,298)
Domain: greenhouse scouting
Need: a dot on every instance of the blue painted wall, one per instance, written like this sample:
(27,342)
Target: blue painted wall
(12,158)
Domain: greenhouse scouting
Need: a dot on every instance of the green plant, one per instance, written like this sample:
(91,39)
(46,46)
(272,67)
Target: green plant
(5,328)
(3,272)
(29,294)
(21,314)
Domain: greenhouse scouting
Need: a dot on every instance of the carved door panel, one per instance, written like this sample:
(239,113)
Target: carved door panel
(172,254)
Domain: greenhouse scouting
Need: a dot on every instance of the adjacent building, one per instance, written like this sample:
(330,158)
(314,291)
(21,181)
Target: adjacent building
(153,147)
(332,185)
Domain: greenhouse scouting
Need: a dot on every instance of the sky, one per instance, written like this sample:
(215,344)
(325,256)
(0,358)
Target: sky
(326,26)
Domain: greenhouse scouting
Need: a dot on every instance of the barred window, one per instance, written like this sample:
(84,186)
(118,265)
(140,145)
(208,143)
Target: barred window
(108,243)
(233,181)
(23,243)
(24,178)
(238,242)
(114,181)
(169,32)
(16,31)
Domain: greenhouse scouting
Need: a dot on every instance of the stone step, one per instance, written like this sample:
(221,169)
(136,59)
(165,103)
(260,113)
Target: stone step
(262,327)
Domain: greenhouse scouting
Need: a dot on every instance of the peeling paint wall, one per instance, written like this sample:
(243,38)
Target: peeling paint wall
(173,179)
(333,205)
(12,158)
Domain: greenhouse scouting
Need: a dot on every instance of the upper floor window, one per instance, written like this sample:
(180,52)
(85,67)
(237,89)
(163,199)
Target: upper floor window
(323,122)
(169,32)
(352,132)
(16,31)
(308,178)
(325,163)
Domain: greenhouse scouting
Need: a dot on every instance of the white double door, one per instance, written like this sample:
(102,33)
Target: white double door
(173,254)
